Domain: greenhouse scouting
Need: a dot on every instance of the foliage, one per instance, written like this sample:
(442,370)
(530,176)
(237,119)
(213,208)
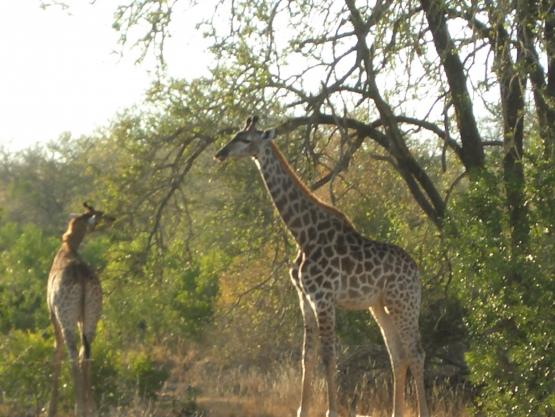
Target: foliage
(24,372)
(38,184)
(25,256)
(508,322)
(149,375)
(376,105)
(194,298)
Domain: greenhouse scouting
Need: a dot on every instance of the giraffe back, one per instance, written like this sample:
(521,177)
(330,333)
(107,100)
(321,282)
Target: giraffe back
(72,285)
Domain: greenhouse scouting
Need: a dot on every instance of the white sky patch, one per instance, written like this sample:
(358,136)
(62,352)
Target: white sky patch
(59,70)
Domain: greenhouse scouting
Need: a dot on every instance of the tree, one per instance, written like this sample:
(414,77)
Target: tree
(39,184)
(452,74)
(357,52)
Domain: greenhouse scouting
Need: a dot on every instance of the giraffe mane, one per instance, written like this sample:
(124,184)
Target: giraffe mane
(305,190)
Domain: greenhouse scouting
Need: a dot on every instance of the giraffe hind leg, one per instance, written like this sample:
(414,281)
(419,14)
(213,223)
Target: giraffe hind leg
(76,371)
(56,366)
(417,370)
(416,365)
(397,357)
(325,316)
(404,321)
(85,364)
(92,306)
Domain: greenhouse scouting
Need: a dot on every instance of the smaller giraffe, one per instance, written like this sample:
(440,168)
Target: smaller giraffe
(74,297)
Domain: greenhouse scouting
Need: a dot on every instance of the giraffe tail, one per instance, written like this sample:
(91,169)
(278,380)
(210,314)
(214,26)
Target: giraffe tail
(86,346)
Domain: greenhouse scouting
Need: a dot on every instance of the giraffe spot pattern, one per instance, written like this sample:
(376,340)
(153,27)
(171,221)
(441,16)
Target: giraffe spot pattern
(337,266)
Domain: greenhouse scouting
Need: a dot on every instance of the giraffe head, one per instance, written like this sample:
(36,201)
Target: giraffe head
(247,142)
(81,224)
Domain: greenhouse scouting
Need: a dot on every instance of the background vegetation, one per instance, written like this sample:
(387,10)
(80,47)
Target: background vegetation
(440,143)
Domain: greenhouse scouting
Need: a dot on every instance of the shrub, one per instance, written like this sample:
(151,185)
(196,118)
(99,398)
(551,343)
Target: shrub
(508,320)
(25,370)
(147,375)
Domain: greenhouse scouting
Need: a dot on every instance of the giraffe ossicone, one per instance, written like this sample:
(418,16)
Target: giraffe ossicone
(74,298)
(338,267)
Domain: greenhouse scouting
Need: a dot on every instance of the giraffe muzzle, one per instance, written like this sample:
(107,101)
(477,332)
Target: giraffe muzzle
(222,154)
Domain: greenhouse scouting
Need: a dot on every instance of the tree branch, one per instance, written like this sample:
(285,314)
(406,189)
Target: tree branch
(472,150)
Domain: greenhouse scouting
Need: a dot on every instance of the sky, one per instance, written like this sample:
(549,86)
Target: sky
(61,70)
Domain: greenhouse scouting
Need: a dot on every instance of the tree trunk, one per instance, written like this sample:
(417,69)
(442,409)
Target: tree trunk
(472,147)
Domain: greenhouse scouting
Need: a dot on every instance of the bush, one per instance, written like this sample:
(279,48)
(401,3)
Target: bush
(25,257)
(118,378)
(147,375)
(509,321)
(25,371)
(26,374)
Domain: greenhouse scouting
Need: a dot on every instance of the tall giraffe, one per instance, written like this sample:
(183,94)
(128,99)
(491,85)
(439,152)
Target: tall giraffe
(74,299)
(338,267)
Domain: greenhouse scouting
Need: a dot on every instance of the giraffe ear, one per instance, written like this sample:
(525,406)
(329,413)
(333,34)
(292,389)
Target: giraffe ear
(250,124)
(269,134)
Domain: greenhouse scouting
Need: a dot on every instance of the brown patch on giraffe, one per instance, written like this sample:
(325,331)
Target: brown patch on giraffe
(314,217)
(324,225)
(354,282)
(323,262)
(296,223)
(321,239)
(347,265)
(387,267)
(340,241)
(312,233)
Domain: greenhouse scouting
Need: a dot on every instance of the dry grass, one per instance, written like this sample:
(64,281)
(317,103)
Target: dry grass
(240,392)
(203,388)
(207,390)
(255,393)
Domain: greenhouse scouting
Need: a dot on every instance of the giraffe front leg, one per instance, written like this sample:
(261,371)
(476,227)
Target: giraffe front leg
(309,355)
(326,326)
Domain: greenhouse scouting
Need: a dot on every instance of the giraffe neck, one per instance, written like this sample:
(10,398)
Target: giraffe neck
(72,239)
(304,215)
